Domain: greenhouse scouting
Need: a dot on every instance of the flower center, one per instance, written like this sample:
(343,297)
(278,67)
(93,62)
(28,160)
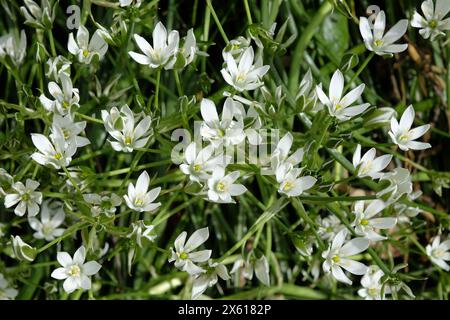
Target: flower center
(404,137)
(378,42)
(364,222)
(58,156)
(139,202)
(184,255)
(241,77)
(336,259)
(66,133)
(74,270)
(197,168)
(127,140)
(373,292)
(85,53)
(432,24)
(438,253)
(221,187)
(366,167)
(338,106)
(288,186)
(26,197)
(47,229)
(65,104)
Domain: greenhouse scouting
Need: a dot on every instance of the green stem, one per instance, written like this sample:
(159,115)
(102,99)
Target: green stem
(158,79)
(216,19)
(177,81)
(360,69)
(247,10)
(52,42)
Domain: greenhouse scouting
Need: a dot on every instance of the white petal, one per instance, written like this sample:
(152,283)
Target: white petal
(197,239)
(354,246)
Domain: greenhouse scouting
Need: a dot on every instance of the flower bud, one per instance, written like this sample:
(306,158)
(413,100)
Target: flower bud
(23,251)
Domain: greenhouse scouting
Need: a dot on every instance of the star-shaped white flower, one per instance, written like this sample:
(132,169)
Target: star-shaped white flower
(121,125)
(224,131)
(377,41)
(222,187)
(439,252)
(138,198)
(26,198)
(402,134)
(244,75)
(75,271)
(184,256)
(163,52)
(199,163)
(433,23)
(340,106)
(365,223)
(51,218)
(338,254)
(65,98)
(84,49)
(368,165)
(56,152)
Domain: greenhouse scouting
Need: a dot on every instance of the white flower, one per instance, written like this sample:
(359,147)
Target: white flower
(259,266)
(222,187)
(371,284)
(236,47)
(339,106)
(439,252)
(65,99)
(402,134)
(368,165)
(364,222)
(209,278)
(184,256)
(199,163)
(433,24)
(55,152)
(281,153)
(26,198)
(102,203)
(38,17)
(6,181)
(338,254)
(57,65)
(378,42)
(6,292)
(141,230)
(138,198)
(329,227)
(84,49)
(23,251)
(75,271)
(14,46)
(163,52)
(188,50)
(225,131)
(245,265)
(70,129)
(245,75)
(399,184)
(51,218)
(122,127)
(250,120)
(290,183)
